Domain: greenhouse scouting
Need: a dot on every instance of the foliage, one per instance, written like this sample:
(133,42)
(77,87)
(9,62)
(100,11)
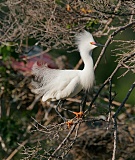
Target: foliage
(7,51)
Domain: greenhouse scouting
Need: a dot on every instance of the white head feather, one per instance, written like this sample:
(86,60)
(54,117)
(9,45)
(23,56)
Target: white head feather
(83,41)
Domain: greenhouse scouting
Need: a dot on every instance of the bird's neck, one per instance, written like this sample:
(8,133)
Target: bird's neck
(88,71)
(88,61)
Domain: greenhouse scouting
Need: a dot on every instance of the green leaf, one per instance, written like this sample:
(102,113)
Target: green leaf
(68,26)
(90,24)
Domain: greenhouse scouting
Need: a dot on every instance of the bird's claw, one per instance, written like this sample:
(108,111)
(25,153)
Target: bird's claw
(69,123)
(78,114)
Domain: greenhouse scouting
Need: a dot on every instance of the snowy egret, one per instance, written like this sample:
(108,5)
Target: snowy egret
(56,84)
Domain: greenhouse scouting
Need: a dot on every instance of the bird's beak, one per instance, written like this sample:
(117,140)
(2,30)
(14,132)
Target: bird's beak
(99,45)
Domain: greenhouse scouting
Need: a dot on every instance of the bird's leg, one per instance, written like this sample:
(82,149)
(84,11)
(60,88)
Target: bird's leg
(60,103)
(82,105)
(83,102)
(65,109)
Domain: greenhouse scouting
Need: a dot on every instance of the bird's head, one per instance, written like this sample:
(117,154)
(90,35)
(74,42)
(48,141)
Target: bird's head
(85,42)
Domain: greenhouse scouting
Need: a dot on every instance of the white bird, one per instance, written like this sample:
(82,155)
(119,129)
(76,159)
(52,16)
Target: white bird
(55,84)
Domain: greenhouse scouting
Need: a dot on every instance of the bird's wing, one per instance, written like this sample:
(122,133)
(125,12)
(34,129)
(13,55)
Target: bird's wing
(43,77)
(66,85)
(55,84)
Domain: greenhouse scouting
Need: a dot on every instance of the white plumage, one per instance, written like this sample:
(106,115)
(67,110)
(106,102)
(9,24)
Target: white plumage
(55,84)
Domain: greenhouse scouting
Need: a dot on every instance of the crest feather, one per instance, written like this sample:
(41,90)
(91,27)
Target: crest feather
(83,37)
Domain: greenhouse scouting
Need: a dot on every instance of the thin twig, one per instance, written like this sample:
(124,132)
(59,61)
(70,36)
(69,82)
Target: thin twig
(95,97)
(115,139)
(78,64)
(63,142)
(124,101)
(107,80)
(109,41)
(76,135)
(16,150)
(115,120)
(110,102)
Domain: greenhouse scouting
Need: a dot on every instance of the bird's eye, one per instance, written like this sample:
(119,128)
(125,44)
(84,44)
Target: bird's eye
(93,43)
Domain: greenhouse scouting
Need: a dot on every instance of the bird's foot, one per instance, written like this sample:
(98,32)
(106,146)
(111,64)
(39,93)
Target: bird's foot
(78,114)
(69,123)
